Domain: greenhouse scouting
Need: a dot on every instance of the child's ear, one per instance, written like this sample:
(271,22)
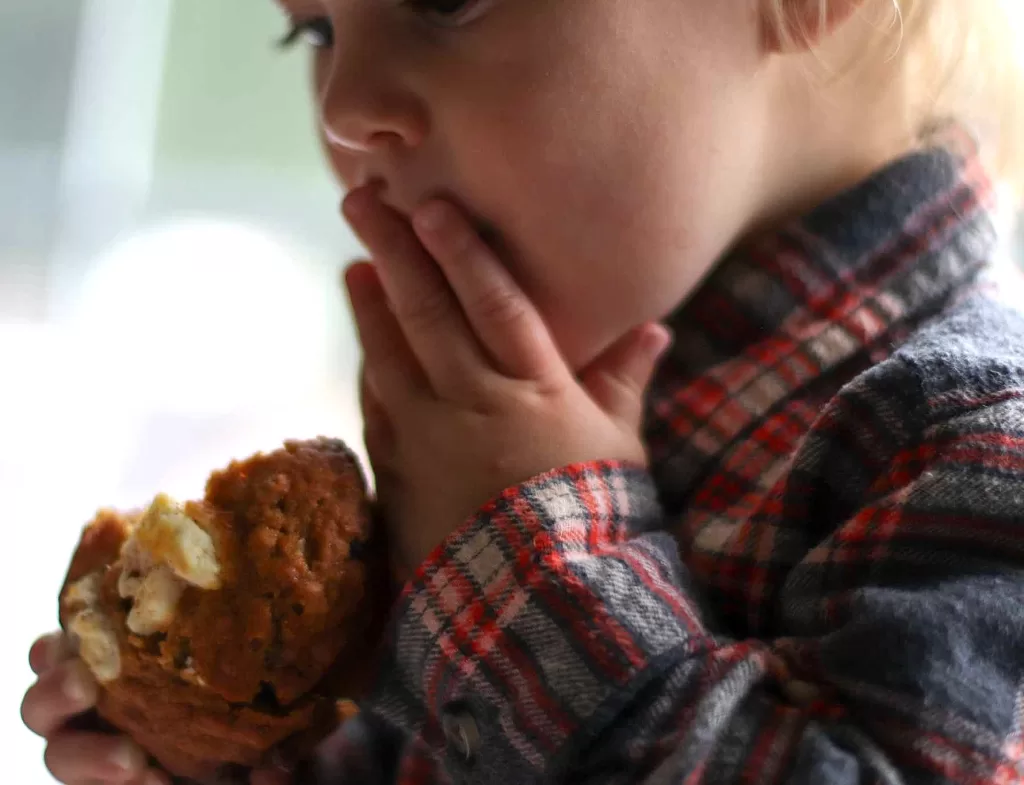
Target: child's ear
(800,25)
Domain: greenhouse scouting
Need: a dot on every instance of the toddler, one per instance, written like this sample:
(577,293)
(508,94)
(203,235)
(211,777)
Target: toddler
(693,392)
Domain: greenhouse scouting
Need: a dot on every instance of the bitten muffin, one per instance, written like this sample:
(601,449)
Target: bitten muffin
(223,629)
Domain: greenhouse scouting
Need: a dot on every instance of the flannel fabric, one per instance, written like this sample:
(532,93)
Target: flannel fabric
(819,580)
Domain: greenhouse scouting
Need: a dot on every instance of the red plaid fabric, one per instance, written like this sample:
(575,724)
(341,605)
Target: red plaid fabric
(821,577)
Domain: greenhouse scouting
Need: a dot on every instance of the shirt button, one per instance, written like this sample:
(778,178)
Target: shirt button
(462,734)
(801,693)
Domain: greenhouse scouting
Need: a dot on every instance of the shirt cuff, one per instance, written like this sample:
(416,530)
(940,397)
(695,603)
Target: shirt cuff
(537,623)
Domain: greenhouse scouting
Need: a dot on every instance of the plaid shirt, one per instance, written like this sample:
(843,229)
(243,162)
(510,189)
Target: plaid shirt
(821,577)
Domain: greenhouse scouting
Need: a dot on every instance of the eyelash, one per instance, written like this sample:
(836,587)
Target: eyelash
(320,35)
(317,32)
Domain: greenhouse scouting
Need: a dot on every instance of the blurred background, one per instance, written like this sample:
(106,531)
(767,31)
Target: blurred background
(169,256)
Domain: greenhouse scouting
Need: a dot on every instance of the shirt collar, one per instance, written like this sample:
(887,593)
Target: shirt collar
(799,303)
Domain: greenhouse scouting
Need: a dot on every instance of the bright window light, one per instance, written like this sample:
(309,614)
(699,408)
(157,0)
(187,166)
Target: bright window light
(207,315)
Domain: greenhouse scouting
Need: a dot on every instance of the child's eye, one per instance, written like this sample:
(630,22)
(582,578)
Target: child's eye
(447,13)
(317,32)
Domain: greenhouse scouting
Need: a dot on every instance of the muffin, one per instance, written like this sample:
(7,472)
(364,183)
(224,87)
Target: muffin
(225,629)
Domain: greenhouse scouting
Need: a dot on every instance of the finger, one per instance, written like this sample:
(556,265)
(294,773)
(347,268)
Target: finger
(618,379)
(505,322)
(48,652)
(377,430)
(420,298)
(388,361)
(92,757)
(59,695)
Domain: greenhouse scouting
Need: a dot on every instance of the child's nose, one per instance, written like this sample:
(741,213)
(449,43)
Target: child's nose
(364,108)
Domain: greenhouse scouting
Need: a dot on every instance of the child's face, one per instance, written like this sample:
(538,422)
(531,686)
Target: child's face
(608,148)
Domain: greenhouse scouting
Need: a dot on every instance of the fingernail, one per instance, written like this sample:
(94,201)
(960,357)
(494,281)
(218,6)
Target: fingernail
(660,339)
(78,690)
(55,649)
(431,217)
(127,758)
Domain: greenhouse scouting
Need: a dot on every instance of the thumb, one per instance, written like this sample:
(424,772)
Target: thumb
(618,379)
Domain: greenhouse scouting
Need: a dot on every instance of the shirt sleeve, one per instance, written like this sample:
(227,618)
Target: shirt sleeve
(557,637)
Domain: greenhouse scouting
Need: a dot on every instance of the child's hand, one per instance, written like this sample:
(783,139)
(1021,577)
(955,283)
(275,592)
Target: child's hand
(64,692)
(59,702)
(465,393)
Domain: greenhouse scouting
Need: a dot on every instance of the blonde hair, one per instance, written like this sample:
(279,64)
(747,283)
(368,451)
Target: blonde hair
(964,60)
